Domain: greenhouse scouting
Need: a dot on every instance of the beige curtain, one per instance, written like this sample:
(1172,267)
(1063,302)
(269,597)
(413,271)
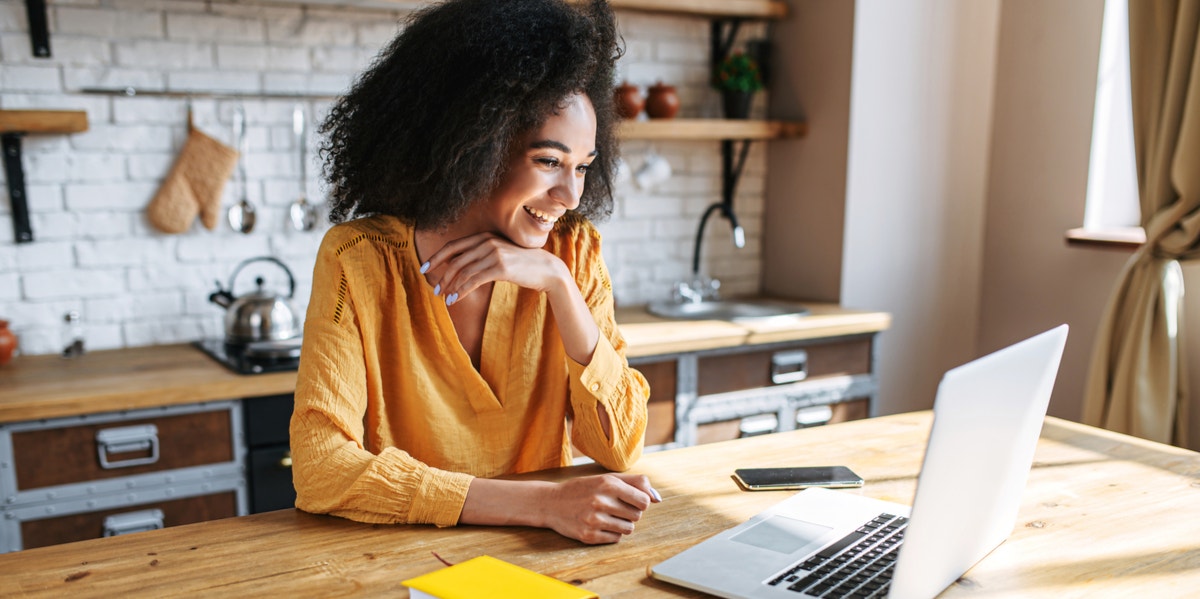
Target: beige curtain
(1138,378)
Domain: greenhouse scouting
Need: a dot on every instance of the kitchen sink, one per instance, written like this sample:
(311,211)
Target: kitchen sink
(733,310)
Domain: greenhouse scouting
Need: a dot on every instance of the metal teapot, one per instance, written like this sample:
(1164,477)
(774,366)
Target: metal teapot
(260,315)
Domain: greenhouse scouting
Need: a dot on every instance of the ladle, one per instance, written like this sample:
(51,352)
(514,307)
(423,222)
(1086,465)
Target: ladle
(302,213)
(241,215)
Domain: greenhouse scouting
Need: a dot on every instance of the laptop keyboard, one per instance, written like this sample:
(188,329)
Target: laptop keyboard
(859,565)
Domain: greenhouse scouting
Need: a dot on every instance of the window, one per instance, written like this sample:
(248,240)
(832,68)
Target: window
(1112,193)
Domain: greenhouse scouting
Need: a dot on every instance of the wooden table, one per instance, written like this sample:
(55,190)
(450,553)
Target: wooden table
(1104,515)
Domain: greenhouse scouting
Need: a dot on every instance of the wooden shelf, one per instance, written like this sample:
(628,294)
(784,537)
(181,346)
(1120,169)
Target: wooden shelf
(710,129)
(754,9)
(43,121)
(720,9)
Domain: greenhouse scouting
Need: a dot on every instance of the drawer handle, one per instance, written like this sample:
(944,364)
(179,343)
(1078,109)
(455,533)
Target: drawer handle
(127,439)
(286,462)
(789,366)
(123,524)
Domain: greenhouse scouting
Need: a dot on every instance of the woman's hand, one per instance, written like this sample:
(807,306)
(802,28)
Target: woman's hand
(463,265)
(599,509)
(593,509)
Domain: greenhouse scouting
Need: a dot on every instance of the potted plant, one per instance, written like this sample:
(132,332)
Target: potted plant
(737,77)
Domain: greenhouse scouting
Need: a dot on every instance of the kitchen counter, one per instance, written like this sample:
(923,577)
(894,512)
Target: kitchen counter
(37,387)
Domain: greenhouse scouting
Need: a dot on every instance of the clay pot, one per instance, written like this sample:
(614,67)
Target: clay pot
(662,101)
(628,100)
(8,343)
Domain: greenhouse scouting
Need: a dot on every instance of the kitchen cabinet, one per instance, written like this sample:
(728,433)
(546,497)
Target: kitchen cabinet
(98,475)
(710,380)
(728,393)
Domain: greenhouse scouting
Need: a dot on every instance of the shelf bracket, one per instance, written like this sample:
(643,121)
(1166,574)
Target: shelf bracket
(722,40)
(15,176)
(39,30)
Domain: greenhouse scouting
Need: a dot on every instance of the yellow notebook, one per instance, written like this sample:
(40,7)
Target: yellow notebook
(486,576)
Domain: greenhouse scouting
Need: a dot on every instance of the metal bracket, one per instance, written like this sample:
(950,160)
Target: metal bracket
(722,40)
(15,176)
(39,30)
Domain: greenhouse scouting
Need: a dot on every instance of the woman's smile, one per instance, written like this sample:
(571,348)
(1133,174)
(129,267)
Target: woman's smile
(546,220)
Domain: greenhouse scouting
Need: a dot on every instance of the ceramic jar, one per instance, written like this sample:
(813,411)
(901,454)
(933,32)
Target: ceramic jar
(8,343)
(628,100)
(662,102)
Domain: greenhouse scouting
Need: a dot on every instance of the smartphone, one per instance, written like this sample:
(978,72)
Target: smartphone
(773,479)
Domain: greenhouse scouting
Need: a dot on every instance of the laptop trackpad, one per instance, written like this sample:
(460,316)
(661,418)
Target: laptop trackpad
(782,534)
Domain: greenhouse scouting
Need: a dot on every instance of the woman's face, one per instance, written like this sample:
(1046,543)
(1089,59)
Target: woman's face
(545,175)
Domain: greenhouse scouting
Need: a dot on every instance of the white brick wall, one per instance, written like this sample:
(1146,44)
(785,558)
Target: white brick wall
(94,251)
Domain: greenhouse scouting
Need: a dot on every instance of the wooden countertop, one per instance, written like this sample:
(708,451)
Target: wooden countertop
(1103,515)
(36,387)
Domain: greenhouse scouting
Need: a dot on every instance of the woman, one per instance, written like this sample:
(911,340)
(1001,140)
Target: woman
(461,324)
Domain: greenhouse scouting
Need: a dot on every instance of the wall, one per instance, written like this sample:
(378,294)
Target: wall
(916,184)
(806,177)
(1045,90)
(94,251)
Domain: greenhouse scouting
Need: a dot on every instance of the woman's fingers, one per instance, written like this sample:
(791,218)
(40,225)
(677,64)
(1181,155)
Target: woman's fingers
(600,509)
(466,264)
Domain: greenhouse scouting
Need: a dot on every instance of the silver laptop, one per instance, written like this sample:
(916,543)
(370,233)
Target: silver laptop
(821,543)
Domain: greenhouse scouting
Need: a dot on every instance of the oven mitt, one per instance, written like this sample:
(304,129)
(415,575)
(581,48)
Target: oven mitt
(194,185)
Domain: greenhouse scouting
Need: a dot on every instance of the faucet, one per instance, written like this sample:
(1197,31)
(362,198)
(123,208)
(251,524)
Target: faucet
(702,288)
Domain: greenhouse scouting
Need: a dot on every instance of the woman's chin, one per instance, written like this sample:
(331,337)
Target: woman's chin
(528,239)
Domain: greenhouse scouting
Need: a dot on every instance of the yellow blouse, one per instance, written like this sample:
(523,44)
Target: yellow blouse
(392,421)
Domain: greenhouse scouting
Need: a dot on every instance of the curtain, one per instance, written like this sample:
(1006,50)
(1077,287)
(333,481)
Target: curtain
(1137,383)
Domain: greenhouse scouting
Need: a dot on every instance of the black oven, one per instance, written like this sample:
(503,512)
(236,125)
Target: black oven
(269,457)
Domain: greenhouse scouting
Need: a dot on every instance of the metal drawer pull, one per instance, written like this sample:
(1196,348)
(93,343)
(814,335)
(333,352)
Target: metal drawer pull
(761,424)
(789,366)
(286,462)
(127,439)
(123,524)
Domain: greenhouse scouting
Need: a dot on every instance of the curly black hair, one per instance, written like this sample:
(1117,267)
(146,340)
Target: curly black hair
(425,131)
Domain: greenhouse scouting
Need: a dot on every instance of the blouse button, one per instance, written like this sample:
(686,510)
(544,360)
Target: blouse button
(595,387)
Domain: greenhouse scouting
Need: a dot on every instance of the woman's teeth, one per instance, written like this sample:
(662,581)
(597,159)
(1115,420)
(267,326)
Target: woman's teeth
(541,216)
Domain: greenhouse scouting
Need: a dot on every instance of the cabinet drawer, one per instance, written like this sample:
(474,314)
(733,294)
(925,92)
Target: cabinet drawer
(754,369)
(72,454)
(91,525)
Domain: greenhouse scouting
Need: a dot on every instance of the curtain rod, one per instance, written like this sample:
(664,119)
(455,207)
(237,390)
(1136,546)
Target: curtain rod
(134,92)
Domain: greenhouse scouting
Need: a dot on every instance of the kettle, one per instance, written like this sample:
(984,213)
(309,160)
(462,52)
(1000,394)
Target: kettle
(259,315)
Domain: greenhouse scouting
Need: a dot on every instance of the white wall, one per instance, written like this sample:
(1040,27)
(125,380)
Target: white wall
(920,125)
(95,253)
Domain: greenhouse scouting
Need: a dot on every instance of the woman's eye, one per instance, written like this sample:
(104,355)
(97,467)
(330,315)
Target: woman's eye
(582,169)
(548,162)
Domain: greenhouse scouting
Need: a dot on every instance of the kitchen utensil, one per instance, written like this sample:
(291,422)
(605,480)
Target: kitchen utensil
(302,213)
(260,315)
(241,215)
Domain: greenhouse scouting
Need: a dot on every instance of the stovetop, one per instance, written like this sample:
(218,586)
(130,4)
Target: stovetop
(234,358)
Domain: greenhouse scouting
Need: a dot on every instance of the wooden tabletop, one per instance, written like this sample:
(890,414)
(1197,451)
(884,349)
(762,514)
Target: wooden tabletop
(36,387)
(1103,515)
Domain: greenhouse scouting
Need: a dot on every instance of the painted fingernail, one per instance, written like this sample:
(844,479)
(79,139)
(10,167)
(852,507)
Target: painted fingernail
(655,494)
(437,289)
(424,267)
(450,299)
